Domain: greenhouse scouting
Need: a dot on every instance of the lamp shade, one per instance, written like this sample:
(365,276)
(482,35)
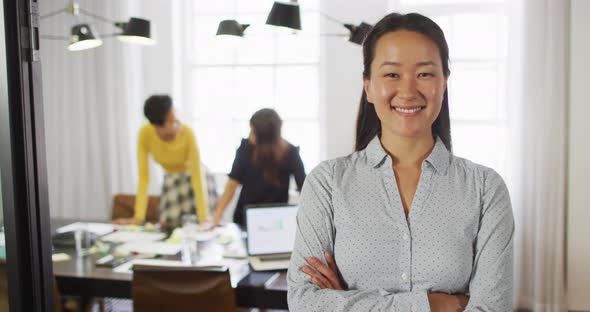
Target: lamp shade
(358,33)
(285,15)
(82,38)
(231,28)
(137,30)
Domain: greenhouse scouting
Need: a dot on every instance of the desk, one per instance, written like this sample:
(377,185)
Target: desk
(80,277)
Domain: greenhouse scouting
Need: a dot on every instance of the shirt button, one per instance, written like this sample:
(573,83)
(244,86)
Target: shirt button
(404,276)
(405,237)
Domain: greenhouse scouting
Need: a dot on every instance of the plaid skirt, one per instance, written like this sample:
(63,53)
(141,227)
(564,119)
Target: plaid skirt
(177,199)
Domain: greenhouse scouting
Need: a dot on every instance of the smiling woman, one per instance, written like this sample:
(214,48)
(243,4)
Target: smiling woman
(402,223)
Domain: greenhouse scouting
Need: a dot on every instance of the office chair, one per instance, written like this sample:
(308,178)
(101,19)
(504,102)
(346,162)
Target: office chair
(4,290)
(3,287)
(124,207)
(156,288)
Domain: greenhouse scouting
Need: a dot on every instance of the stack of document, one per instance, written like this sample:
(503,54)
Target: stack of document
(151,248)
(94,227)
(2,248)
(132,237)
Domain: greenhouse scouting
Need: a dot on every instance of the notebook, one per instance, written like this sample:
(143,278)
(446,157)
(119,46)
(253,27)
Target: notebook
(271,235)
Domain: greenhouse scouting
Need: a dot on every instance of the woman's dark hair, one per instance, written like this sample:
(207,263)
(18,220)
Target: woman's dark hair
(266,125)
(156,109)
(368,124)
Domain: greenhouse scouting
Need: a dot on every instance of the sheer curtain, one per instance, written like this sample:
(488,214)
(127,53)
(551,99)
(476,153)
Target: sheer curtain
(537,166)
(92,108)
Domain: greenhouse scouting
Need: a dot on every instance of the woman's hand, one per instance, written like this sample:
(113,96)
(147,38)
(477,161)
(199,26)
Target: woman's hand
(126,221)
(440,302)
(322,275)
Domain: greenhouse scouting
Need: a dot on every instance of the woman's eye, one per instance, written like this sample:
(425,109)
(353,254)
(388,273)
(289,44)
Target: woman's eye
(422,75)
(392,75)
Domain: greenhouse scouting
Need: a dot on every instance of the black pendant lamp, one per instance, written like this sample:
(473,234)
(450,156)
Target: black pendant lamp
(231,28)
(137,30)
(82,38)
(285,15)
(358,33)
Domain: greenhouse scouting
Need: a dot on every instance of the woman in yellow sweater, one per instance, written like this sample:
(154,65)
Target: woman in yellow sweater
(174,147)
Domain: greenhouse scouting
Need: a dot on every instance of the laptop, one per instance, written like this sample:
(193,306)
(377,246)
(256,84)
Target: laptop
(271,235)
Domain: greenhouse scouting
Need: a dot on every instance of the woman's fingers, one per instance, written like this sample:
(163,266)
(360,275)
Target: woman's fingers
(322,282)
(330,261)
(316,277)
(326,271)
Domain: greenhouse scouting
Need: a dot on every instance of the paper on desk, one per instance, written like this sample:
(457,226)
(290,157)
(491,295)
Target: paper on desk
(58,257)
(2,249)
(94,227)
(154,248)
(132,237)
(201,235)
(126,267)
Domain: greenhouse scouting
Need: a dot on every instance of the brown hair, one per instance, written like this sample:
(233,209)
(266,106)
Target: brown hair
(266,125)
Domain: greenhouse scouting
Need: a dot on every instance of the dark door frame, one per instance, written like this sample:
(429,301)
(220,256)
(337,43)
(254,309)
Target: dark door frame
(22,159)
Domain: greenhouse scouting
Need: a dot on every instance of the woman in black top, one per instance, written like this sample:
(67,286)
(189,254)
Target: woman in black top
(263,166)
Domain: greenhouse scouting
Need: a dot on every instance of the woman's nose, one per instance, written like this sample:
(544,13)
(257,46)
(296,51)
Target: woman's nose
(407,89)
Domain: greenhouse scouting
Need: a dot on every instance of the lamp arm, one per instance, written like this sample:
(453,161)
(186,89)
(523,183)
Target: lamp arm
(98,17)
(334,35)
(52,37)
(328,17)
(50,14)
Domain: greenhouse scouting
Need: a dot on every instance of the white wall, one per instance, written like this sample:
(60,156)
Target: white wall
(578,233)
(341,67)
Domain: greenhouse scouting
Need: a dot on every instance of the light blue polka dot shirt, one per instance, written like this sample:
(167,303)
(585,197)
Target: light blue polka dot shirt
(457,238)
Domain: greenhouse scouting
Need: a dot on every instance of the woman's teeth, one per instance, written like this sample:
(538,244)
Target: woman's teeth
(407,110)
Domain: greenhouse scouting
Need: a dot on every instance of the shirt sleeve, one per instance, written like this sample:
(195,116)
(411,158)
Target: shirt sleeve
(297,168)
(238,167)
(315,234)
(198,181)
(144,176)
(491,284)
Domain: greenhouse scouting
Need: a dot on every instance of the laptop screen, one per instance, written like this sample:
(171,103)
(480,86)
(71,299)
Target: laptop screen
(271,229)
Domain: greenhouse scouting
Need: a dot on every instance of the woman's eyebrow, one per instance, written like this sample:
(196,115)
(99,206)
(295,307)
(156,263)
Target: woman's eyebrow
(424,63)
(389,63)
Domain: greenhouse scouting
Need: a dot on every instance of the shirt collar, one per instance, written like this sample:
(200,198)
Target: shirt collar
(439,158)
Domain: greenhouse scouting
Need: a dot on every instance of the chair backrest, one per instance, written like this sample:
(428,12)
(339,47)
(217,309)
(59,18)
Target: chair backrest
(3,287)
(4,290)
(124,207)
(156,288)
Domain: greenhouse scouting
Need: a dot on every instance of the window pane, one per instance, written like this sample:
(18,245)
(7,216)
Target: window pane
(217,157)
(212,93)
(254,6)
(208,48)
(444,22)
(254,89)
(297,91)
(304,134)
(442,2)
(473,91)
(475,36)
(212,7)
(257,24)
(256,49)
(483,144)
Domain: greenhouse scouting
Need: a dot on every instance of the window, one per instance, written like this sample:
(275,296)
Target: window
(226,80)
(477,36)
